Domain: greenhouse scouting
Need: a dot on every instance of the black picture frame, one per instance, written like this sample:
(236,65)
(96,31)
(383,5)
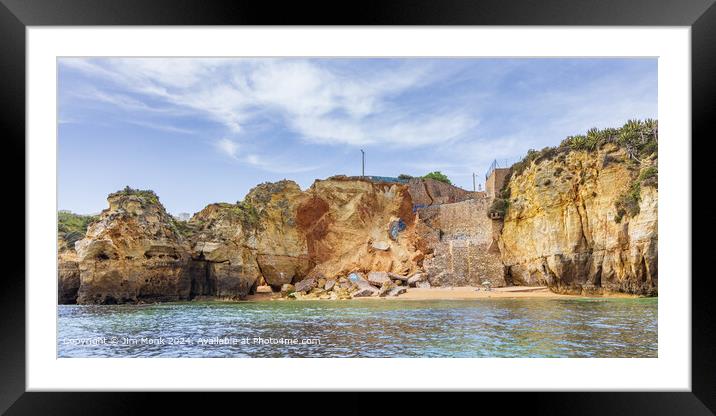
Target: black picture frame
(16,15)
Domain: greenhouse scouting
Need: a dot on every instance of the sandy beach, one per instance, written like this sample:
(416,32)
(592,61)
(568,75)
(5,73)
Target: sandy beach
(470,292)
(461,293)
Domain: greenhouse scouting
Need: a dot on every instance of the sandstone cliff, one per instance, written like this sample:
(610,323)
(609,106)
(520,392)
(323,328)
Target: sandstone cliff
(68,274)
(70,228)
(279,234)
(359,225)
(255,239)
(133,253)
(579,218)
(567,226)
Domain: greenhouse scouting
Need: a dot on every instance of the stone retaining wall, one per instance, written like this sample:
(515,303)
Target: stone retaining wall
(463,240)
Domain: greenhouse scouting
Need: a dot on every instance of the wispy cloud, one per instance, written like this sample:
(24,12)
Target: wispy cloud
(162,127)
(272,164)
(320,105)
(509,107)
(246,121)
(227,147)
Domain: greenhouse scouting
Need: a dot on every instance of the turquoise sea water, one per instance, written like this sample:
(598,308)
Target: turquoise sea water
(369,328)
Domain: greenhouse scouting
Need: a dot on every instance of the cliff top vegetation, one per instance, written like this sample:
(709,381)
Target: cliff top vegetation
(146,194)
(72,227)
(638,138)
(438,176)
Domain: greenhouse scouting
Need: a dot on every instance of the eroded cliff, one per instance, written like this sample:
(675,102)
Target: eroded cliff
(279,234)
(584,221)
(358,225)
(255,241)
(579,218)
(133,253)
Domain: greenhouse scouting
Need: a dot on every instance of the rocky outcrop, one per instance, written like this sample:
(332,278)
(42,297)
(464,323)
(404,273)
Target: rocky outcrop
(564,221)
(426,192)
(284,235)
(347,224)
(68,275)
(133,253)
(256,238)
(563,228)
(278,235)
(70,228)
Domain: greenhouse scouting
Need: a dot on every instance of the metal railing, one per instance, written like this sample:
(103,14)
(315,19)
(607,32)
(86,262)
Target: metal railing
(385,179)
(491,169)
(506,163)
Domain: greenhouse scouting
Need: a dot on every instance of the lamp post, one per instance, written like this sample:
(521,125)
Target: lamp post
(362,162)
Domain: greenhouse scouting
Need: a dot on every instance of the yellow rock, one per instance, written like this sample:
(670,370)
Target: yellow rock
(560,226)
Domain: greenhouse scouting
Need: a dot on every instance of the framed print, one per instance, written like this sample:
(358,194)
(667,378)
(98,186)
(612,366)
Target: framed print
(463,197)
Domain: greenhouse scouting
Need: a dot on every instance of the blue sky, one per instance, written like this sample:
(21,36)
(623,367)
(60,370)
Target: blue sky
(201,130)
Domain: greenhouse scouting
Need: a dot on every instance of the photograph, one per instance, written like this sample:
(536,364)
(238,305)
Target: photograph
(357,207)
(399,197)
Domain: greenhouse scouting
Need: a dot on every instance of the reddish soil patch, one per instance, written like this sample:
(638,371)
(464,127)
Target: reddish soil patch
(406,207)
(311,219)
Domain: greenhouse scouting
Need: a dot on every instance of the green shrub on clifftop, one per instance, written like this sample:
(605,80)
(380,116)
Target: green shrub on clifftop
(438,176)
(638,138)
(147,194)
(73,227)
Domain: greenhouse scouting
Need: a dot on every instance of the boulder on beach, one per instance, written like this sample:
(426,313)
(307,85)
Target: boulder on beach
(306,285)
(358,280)
(398,290)
(355,277)
(417,277)
(396,276)
(378,278)
(385,288)
(365,291)
(264,289)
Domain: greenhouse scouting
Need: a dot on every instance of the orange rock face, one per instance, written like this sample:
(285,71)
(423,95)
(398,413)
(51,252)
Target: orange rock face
(347,223)
(282,234)
(277,235)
